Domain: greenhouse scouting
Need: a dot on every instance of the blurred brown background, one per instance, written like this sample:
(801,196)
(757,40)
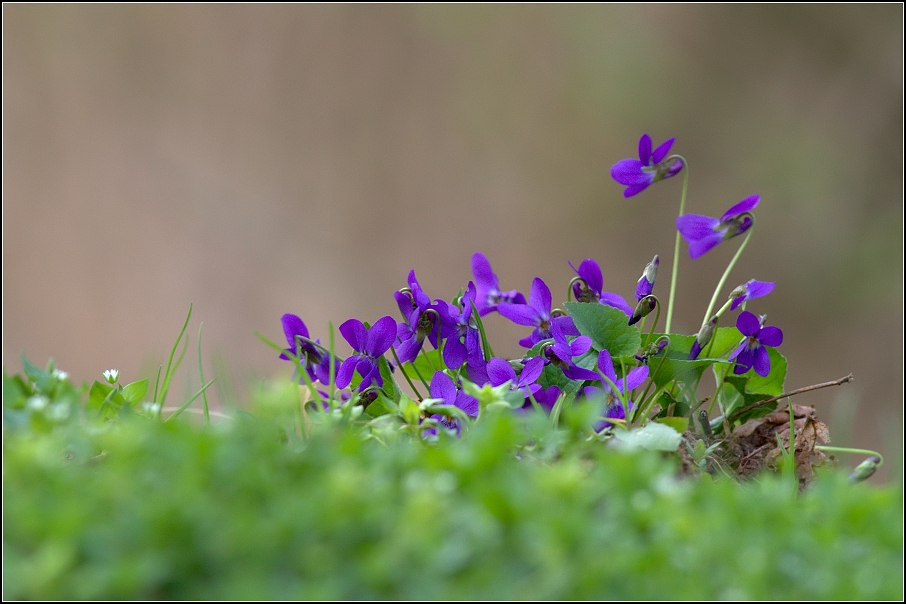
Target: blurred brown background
(257,160)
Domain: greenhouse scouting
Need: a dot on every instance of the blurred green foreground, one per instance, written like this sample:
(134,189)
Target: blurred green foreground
(247,508)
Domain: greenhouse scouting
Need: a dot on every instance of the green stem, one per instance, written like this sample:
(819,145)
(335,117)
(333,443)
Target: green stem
(676,246)
(726,274)
(848,450)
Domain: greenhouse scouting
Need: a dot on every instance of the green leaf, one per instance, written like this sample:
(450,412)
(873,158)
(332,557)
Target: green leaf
(426,363)
(771,384)
(98,393)
(676,366)
(135,391)
(680,424)
(39,376)
(607,327)
(410,411)
(652,437)
(381,406)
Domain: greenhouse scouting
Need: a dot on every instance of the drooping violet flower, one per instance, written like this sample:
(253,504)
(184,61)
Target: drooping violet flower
(314,360)
(749,290)
(488,294)
(752,351)
(462,340)
(537,313)
(702,338)
(443,388)
(501,372)
(420,320)
(562,351)
(592,290)
(642,309)
(703,232)
(613,409)
(646,281)
(650,167)
(369,344)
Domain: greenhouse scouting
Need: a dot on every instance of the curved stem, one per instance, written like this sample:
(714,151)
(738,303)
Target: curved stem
(676,246)
(849,450)
(726,274)
(657,316)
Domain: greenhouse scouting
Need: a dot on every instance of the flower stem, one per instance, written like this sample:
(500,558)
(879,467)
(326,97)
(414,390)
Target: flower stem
(676,246)
(723,279)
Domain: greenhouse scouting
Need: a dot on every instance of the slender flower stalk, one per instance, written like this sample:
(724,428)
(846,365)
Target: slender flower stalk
(723,278)
(676,246)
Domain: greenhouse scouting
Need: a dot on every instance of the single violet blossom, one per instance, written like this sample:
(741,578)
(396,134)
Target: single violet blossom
(592,290)
(537,313)
(488,294)
(462,340)
(500,372)
(562,352)
(752,352)
(369,344)
(703,232)
(639,174)
(613,408)
(313,359)
(749,290)
(443,388)
(414,305)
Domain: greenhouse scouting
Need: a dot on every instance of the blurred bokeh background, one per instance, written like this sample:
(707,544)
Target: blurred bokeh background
(257,160)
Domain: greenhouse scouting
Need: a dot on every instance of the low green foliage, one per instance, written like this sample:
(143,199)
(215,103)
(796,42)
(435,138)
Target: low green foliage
(255,508)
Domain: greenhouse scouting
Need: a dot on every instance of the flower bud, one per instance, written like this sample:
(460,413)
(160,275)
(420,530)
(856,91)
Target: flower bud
(646,281)
(111,375)
(865,469)
(642,309)
(701,340)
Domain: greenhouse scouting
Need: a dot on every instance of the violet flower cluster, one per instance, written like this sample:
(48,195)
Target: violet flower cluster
(597,349)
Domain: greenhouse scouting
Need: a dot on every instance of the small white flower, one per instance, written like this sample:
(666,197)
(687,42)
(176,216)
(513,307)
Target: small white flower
(150,409)
(38,402)
(60,374)
(111,375)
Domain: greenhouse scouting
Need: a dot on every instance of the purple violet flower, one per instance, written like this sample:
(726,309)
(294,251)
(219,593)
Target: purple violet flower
(703,232)
(752,351)
(369,344)
(538,313)
(545,397)
(613,409)
(592,291)
(442,387)
(561,354)
(315,360)
(462,340)
(414,305)
(488,294)
(650,167)
(500,372)
(749,290)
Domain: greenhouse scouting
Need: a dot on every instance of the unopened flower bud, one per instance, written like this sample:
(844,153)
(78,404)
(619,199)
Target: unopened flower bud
(865,469)
(646,281)
(111,375)
(701,340)
(642,309)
